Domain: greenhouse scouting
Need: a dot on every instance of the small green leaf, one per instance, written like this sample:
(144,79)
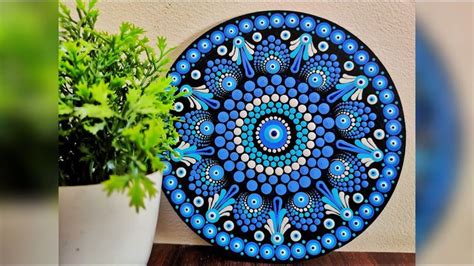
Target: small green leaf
(100,92)
(96,127)
(155,134)
(83,91)
(93,111)
(137,195)
(149,187)
(64,109)
(116,183)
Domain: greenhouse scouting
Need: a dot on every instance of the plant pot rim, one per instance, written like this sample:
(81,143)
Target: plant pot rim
(100,184)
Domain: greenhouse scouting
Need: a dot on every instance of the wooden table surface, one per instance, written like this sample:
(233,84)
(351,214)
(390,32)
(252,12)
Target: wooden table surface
(204,255)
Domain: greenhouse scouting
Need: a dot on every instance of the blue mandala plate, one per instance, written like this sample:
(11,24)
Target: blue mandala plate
(292,137)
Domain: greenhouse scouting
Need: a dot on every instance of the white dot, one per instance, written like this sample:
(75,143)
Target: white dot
(307,117)
(237,131)
(279,171)
(249,107)
(251,164)
(244,157)
(222,50)
(295,236)
(269,170)
(259,168)
(285,35)
(237,140)
(265,98)
(302,108)
(275,97)
(379,134)
(311,135)
(293,103)
(257,101)
(195,74)
(243,114)
(301,160)
(284,99)
(306,153)
(295,166)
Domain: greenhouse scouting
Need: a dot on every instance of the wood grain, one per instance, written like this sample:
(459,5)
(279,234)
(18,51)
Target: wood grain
(169,255)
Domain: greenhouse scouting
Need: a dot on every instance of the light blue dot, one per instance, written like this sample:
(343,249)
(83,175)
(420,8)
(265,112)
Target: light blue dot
(328,122)
(314,97)
(229,166)
(237,94)
(313,108)
(280,189)
(303,87)
(223,154)
(305,182)
(293,186)
(262,81)
(329,137)
(239,176)
(290,82)
(327,151)
(323,163)
(266,188)
(276,79)
(324,108)
(229,104)
(219,141)
(223,117)
(252,185)
(315,173)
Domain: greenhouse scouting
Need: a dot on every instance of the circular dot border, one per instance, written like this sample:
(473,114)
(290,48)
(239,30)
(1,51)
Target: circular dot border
(292,137)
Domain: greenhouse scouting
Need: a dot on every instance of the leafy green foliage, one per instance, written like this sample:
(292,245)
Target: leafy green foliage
(114,105)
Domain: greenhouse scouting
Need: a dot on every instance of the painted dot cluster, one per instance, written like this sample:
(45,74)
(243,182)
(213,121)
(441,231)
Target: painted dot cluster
(291,137)
(197,128)
(206,178)
(306,211)
(354,120)
(221,76)
(321,72)
(272,56)
(347,173)
(251,211)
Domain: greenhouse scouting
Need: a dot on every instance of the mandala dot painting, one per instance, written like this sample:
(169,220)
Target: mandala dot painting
(292,137)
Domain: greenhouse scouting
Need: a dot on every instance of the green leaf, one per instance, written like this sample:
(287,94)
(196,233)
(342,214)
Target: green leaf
(134,134)
(133,95)
(100,92)
(149,186)
(137,195)
(116,183)
(96,127)
(155,134)
(94,111)
(64,109)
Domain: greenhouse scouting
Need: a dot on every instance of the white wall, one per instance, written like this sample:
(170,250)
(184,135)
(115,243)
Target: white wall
(388,29)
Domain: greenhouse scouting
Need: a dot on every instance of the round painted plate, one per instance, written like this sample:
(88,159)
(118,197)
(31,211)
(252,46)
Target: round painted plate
(292,137)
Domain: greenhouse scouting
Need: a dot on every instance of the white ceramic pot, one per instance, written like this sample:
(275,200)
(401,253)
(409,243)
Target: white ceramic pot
(96,229)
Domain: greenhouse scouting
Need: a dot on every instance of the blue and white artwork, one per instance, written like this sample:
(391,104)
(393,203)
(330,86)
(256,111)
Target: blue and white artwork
(292,137)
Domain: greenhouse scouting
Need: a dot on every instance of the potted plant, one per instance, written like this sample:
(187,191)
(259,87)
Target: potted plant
(114,127)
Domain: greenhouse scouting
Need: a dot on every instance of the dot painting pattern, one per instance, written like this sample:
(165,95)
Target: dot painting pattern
(292,137)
